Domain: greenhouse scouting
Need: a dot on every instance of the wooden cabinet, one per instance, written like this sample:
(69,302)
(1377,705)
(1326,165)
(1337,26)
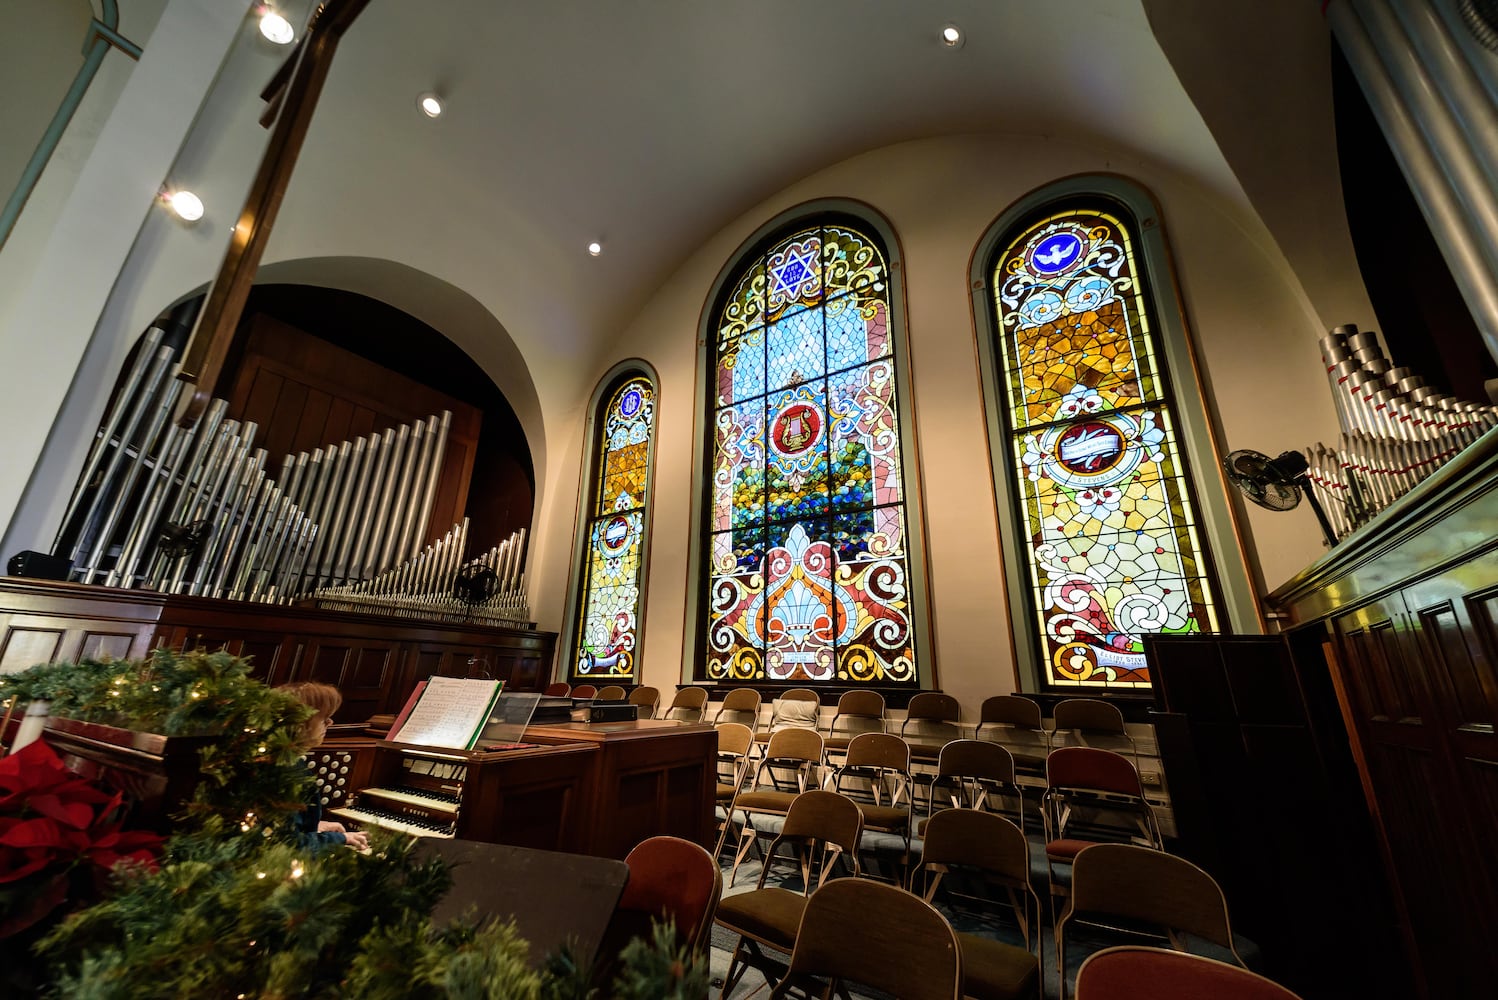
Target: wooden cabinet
(374,660)
(1408,607)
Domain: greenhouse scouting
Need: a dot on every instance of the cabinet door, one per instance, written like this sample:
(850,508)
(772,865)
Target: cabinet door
(1399,695)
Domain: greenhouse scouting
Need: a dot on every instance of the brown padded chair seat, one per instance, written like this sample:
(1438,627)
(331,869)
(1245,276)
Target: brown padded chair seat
(1029,762)
(993,970)
(770,914)
(883,816)
(926,751)
(725,792)
(1066,849)
(837,742)
(771,801)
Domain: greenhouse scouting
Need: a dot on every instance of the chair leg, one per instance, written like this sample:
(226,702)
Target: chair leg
(746,838)
(737,966)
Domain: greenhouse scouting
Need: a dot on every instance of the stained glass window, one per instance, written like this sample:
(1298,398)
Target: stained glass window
(610,605)
(1109,528)
(807,575)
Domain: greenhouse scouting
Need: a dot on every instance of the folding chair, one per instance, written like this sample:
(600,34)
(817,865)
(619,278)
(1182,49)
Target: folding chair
(688,705)
(877,935)
(1084,787)
(971,770)
(932,720)
(994,849)
(797,708)
(797,750)
(1017,723)
(734,743)
(770,916)
(1088,720)
(740,705)
(884,760)
(647,699)
(1136,973)
(1147,889)
(611,693)
(669,878)
(585,691)
(561,689)
(857,712)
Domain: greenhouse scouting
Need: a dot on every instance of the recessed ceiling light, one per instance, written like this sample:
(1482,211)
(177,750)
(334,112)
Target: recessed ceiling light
(276,28)
(430,105)
(951,36)
(595,248)
(188,206)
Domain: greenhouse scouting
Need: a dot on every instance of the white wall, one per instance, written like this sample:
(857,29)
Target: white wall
(1254,335)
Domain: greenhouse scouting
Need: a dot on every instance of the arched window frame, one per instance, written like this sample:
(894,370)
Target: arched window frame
(1238,609)
(590,481)
(870,222)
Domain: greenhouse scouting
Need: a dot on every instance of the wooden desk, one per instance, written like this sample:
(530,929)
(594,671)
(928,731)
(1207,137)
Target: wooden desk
(650,777)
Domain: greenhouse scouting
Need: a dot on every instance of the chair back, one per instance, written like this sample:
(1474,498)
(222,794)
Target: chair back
(794,745)
(979,760)
(1010,710)
(1089,715)
(880,751)
(585,691)
(878,935)
(560,689)
(858,712)
(1140,883)
(1091,769)
(819,817)
(734,739)
(1132,972)
(740,705)
(976,839)
(932,713)
(675,878)
(688,705)
(647,699)
(611,693)
(790,710)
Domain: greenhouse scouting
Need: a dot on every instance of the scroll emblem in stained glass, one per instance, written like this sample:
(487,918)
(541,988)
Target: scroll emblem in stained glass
(807,565)
(611,574)
(1107,516)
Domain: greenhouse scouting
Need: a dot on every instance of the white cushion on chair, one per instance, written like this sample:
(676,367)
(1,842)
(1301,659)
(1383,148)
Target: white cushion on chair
(797,714)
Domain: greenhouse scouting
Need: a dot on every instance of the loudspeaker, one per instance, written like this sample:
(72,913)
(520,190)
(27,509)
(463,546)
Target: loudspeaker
(39,565)
(613,712)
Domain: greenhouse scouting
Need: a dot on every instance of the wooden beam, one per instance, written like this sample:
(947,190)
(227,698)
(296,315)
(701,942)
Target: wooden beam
(295,99)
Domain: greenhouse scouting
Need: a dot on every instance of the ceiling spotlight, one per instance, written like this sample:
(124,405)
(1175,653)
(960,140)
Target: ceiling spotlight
(276,28)
(430,105)
(595,248)
(951,36)
(187,206)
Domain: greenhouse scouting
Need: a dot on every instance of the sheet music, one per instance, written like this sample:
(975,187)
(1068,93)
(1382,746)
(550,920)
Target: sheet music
(451,713)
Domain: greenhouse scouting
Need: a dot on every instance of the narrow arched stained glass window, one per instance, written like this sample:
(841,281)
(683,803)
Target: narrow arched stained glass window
(609,610)
(1109,527)
(807,575)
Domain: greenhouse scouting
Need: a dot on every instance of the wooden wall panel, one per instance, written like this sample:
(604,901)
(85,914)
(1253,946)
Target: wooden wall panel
(305,393)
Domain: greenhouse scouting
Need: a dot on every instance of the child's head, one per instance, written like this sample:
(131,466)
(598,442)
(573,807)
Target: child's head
(324,699)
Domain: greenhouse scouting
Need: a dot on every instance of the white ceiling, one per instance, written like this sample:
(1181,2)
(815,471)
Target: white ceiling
(650,125)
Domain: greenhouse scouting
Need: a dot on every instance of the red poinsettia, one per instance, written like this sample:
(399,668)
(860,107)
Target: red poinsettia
(54,827)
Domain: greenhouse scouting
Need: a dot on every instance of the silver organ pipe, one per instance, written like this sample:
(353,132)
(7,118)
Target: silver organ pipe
(202,511)
(1396,431)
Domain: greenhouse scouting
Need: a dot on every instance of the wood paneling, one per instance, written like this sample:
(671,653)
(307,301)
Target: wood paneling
(305,393)
(1410,602)
(374,660)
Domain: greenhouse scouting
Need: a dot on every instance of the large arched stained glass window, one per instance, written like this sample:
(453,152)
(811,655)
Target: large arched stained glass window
(614,535)
(807,550)
(1105,513)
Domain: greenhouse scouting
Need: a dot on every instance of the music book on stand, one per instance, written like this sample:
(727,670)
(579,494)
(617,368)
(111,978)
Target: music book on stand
(447,712)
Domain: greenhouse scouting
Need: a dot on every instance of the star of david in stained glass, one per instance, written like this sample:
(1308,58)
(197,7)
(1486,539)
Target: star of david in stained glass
(794,270)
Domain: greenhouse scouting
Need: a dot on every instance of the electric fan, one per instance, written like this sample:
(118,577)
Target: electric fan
(475,583)
(1275,483)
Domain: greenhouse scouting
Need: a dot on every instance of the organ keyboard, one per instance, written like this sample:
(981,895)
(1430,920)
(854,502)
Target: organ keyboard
(523,796)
